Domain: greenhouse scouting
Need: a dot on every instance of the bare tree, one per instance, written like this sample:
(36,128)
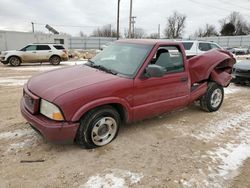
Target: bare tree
(207,31)
(153,36)
(235,19)
(82,34)
(105,31)
(138,33)
(175,25)
(198,33)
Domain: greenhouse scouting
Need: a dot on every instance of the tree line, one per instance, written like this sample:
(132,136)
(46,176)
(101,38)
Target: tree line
(232,25)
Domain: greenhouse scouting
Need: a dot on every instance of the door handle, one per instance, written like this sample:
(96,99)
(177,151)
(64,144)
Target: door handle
(33,52)
(184,79)
(50,51)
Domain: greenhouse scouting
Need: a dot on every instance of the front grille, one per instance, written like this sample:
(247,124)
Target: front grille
(31,101)
(243,71)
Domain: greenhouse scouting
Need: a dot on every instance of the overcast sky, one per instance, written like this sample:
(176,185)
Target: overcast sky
(60,14)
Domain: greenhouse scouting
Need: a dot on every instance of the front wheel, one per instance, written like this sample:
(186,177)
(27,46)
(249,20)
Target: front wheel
(55,60)
(14,61)
(213,98)
(98,127)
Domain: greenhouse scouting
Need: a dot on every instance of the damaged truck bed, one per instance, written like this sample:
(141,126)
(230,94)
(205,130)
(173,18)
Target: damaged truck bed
(128,81)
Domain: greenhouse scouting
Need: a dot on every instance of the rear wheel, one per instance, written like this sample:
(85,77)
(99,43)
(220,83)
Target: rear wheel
(55,60)
(213,98)
(14,61)
(98,127)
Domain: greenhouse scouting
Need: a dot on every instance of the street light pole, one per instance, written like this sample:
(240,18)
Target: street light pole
(133,26)
(130,17)
(118,22)
(33,28)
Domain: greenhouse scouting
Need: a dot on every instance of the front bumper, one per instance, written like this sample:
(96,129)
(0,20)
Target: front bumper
(3,60)
(53,131)
(245,74)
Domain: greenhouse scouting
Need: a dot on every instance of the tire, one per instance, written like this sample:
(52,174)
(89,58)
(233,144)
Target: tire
(98,127)
(55,60)
(240,81)
(14,61)
(213,98)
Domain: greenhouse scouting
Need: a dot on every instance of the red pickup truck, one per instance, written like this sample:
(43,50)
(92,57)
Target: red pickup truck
(128,81)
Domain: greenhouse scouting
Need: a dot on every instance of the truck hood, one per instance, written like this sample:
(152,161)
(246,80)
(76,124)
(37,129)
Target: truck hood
(52,84)
(10,51)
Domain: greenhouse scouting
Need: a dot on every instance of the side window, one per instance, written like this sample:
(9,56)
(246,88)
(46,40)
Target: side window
(59,41)
(170,58)
(204,46)
(187,45)
(214,46)
(30,48)
(58,47)
(43,47)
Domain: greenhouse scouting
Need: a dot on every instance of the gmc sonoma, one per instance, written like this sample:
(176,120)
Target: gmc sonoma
(128,81)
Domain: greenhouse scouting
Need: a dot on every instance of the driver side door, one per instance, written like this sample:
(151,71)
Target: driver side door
(156,95)
(30,54)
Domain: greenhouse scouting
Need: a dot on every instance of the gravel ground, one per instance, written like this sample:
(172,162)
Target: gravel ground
(186,148)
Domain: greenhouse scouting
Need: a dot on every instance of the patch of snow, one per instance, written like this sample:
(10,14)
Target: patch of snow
(17,134)
(231,158)
(228,157)
(12,81)
(114,179)
(45,67)
(108,181)
(20,145)
(23,144)
(231,89)
(134,177)
(216,129)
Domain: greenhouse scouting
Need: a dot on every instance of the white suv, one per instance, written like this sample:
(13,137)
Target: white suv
(53,53)
(195,47)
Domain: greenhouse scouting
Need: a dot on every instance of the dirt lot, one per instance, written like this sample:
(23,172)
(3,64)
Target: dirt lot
(187,148)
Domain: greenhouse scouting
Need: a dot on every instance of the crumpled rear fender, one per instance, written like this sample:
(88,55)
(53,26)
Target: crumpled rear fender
(214,65)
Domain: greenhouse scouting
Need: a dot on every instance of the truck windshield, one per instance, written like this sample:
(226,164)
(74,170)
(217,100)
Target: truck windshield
(122,58)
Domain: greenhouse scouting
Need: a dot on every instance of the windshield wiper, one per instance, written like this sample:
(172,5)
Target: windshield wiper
(101,67)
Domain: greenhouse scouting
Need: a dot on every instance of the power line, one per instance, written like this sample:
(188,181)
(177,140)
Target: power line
(56,25)
(236,5)
(208,5)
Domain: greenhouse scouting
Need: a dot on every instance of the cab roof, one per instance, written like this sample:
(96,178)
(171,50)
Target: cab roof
(147,41)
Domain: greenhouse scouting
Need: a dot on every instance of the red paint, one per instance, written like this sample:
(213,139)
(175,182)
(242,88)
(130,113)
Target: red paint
(76,90)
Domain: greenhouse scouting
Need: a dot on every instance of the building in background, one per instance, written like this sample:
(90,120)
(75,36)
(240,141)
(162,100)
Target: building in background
(13,40)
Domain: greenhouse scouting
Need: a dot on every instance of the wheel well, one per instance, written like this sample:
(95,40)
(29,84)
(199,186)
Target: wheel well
(56,56)
(14,56)
(118,107)
(121,110)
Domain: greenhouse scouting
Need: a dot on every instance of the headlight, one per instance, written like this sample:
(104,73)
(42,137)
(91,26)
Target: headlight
(4,53)
(50,110)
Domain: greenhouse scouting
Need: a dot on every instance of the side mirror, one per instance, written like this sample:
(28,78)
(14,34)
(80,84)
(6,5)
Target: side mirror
(154,71)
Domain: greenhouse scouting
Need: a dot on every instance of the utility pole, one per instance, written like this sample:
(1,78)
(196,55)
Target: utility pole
(133,25)
(110,29)
(130,17)
(159,31)
(118,20)
(33,29)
